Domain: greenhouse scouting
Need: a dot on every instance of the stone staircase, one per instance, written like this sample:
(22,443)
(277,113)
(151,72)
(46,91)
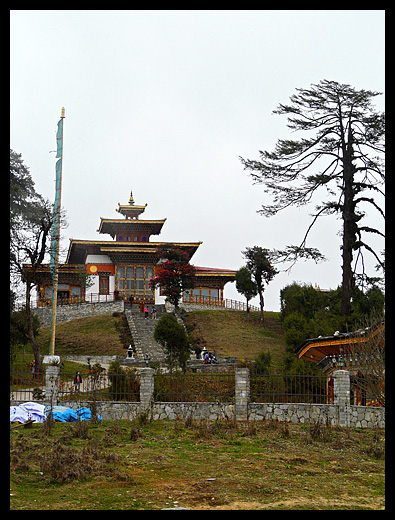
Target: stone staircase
(142,330)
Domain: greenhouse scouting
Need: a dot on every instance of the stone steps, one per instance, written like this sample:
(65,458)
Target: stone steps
(142,330)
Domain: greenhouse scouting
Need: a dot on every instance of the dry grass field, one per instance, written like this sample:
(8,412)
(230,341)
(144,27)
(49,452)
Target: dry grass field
(198,465)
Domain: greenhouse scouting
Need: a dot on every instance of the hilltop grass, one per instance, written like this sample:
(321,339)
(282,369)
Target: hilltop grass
(195,464)
(229,333)
(95,335)
(236,333)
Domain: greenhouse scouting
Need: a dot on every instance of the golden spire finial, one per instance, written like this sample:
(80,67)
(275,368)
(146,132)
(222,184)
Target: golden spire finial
(131,201)
(62,114)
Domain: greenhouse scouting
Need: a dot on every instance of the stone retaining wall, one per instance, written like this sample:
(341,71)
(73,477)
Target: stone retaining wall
(297,413)
(115,410)
(300,413)
(77,310)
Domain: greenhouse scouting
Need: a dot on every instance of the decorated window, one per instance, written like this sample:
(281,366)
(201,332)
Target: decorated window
(149,273)
(120,279)
(134,281)
(140,281)
(130,279)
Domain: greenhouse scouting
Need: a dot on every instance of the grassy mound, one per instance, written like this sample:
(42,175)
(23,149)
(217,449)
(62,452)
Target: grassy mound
(235,333)
(105,335)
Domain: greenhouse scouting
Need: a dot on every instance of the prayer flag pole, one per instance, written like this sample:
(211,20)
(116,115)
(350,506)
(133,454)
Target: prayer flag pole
(55,231)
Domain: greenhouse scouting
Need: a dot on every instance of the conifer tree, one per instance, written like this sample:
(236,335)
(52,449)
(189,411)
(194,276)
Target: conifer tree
(341,155)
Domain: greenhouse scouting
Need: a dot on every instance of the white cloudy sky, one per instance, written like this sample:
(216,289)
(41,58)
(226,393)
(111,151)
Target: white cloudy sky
(165,102)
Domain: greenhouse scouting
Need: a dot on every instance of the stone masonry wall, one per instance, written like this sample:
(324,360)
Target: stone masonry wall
(340,413)
(77,310)
(300,413)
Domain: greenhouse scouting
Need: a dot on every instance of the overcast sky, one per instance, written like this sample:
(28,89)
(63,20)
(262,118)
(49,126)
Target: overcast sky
(164,102)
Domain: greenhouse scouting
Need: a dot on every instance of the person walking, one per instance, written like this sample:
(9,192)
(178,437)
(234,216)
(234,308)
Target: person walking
(146,311)
(153,313)
(77,381)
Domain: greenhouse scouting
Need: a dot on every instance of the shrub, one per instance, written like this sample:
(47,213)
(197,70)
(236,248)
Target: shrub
(174,339)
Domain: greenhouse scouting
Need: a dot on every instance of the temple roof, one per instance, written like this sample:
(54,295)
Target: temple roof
(116,226)
(316,349)
(43,272)
(131,210)
(214,271)
(212,275)
(131,225)
(79,249)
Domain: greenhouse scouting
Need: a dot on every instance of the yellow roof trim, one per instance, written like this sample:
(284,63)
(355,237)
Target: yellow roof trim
(124,250)
(341,341)
(131,221)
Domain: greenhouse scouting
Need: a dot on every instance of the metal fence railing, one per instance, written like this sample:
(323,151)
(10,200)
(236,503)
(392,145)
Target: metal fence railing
(275,387)
(26,386)
(195,387)
(123,386)
(367,391)
(269,386)
(224,303)
(68,300)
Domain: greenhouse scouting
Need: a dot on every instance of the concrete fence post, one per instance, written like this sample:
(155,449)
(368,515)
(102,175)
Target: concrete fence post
(51,385)
(242,393)
(146,387)
(341,395)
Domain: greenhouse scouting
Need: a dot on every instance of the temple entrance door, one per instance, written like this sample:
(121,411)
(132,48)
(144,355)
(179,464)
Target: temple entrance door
(63,297)
(103,284)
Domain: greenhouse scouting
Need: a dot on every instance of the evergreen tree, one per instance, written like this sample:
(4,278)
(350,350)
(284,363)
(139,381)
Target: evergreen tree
(245,285)
(174,339)
(342,155)
(259,263)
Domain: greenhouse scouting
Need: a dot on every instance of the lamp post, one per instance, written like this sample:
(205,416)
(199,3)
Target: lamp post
(147,359)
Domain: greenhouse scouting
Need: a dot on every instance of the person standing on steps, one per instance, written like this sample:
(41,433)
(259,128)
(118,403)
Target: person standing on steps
(146,311)
(153,313)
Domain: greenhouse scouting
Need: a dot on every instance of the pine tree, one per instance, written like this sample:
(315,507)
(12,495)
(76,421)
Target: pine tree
(341,154)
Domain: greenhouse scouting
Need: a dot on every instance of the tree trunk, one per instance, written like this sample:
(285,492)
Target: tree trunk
(349,232)
(38,367)
(261,303)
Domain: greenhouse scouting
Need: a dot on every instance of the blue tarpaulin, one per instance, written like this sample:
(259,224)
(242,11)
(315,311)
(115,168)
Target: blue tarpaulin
(64,414)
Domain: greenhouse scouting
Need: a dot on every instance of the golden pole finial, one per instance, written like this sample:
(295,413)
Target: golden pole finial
(62,115)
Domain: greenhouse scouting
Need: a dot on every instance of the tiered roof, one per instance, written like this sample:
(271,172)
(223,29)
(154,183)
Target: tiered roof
(131,225)
(131,210)
(135,245)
